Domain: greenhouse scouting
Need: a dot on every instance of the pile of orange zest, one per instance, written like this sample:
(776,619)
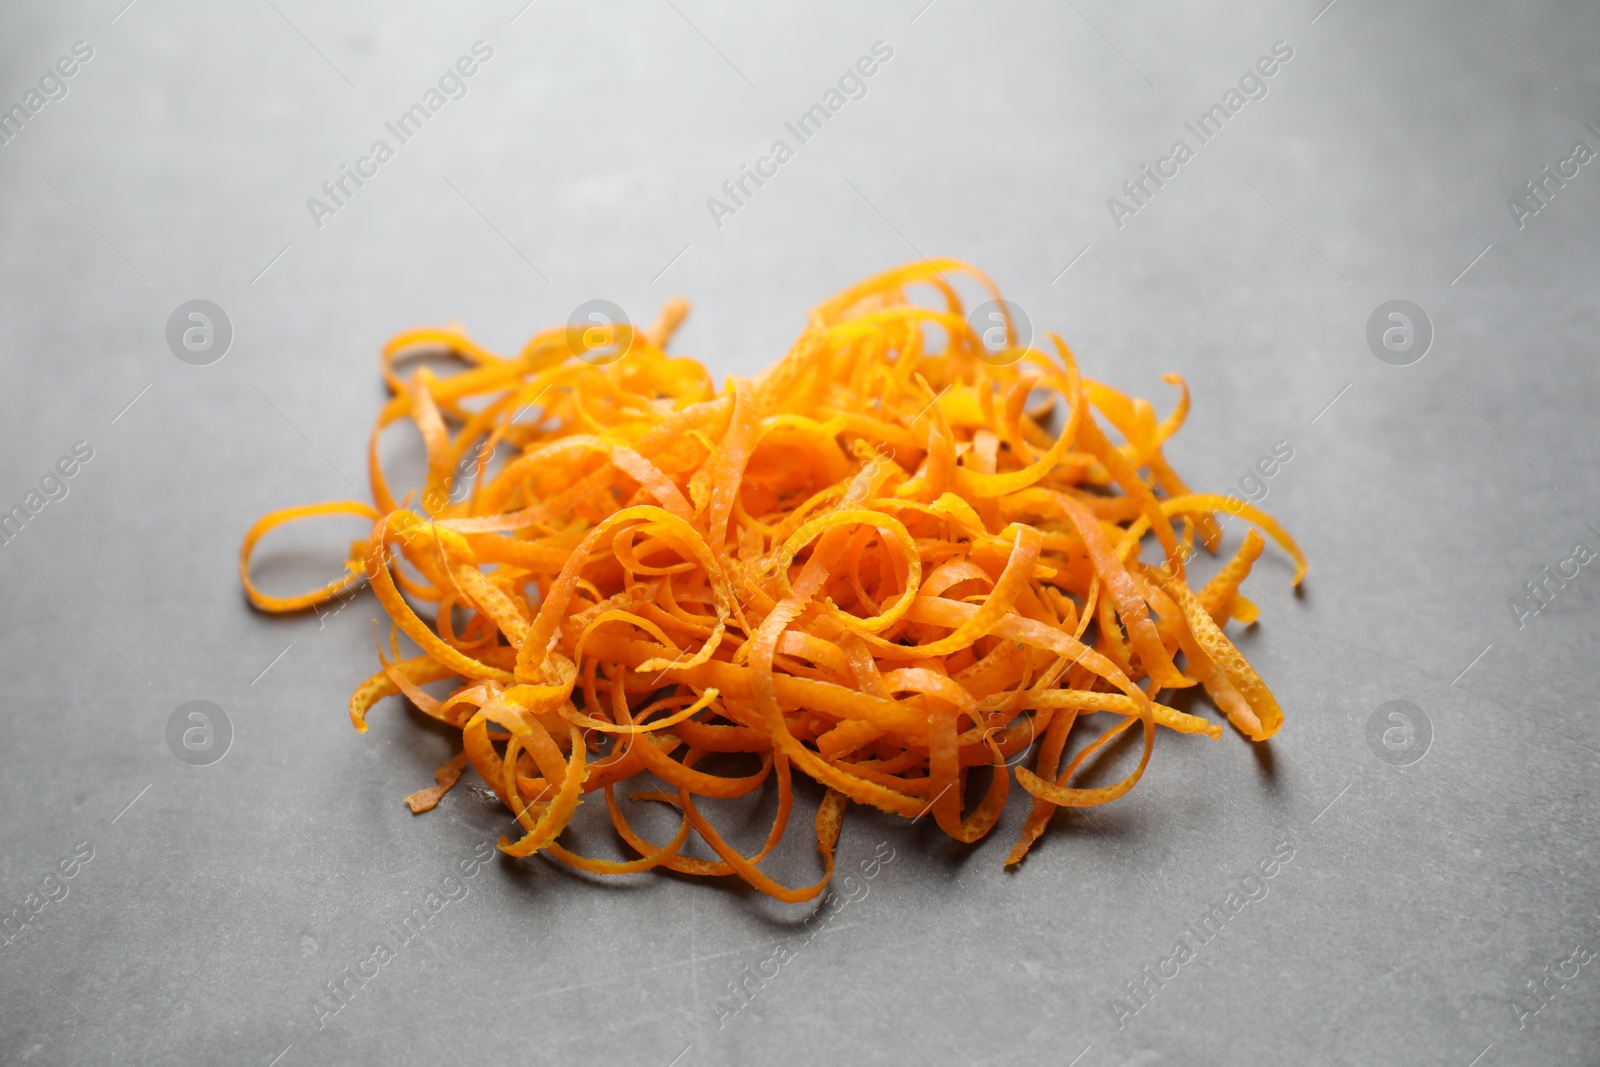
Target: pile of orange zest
(896,561)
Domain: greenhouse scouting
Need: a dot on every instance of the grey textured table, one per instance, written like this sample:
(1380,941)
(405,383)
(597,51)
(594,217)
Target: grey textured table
(1439,864)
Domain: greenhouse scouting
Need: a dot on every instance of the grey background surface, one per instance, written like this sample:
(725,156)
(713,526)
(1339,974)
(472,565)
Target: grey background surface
(1420,900)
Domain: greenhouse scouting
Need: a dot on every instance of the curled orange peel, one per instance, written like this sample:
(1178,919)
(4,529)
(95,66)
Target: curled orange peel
(886,562)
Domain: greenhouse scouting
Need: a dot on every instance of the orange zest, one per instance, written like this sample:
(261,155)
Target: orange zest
(897,561)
